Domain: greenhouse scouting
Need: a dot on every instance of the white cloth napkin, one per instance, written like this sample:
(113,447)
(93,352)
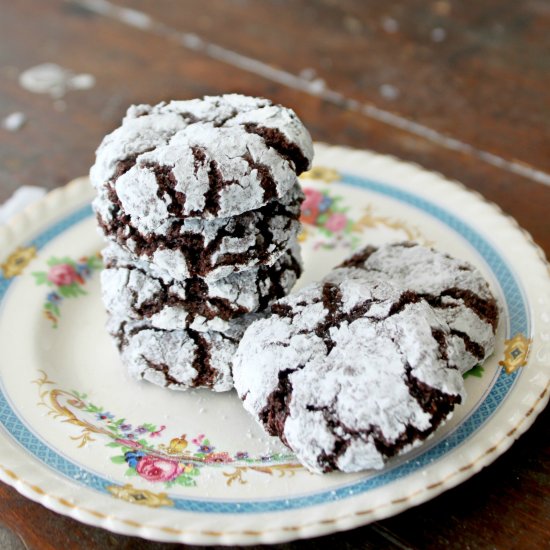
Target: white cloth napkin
(19,200)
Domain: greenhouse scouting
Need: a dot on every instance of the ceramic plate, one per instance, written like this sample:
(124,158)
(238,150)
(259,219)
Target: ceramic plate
(82,438)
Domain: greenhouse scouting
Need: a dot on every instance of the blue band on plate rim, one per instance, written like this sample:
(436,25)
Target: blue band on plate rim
(519,322)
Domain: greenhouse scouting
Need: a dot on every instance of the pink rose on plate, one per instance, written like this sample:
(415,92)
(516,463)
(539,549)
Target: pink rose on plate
(153,468)
(62,274)
(313,199)
(337,222)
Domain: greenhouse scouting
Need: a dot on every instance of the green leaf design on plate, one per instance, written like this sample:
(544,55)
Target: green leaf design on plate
(477,371)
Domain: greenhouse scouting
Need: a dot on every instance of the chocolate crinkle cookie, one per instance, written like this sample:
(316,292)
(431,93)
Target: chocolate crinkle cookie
(454,288)
(140,291)
(211,249)
(349,374)
(178,359)
(209,158)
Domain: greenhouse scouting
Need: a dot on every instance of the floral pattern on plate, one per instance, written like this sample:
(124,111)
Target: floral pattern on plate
(66,277)
(328,221)
(141,448)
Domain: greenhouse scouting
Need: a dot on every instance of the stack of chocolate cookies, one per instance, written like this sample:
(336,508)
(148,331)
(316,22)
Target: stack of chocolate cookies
(199,202)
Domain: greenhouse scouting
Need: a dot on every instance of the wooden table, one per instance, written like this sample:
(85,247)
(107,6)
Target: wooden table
(460,89)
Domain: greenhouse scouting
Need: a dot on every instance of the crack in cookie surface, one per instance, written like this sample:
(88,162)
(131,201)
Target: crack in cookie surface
(177,359)
(206,249)
(135,289)
(453,287)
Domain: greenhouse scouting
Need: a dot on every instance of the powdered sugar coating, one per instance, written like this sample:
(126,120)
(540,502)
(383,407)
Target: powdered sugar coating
(348,374)
(140,291)
(211,249)
(146,127)
(455,288)
(210,158)
(177,359)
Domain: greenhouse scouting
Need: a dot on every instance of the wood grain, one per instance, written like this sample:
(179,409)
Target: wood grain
(487,76)
(484,86)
